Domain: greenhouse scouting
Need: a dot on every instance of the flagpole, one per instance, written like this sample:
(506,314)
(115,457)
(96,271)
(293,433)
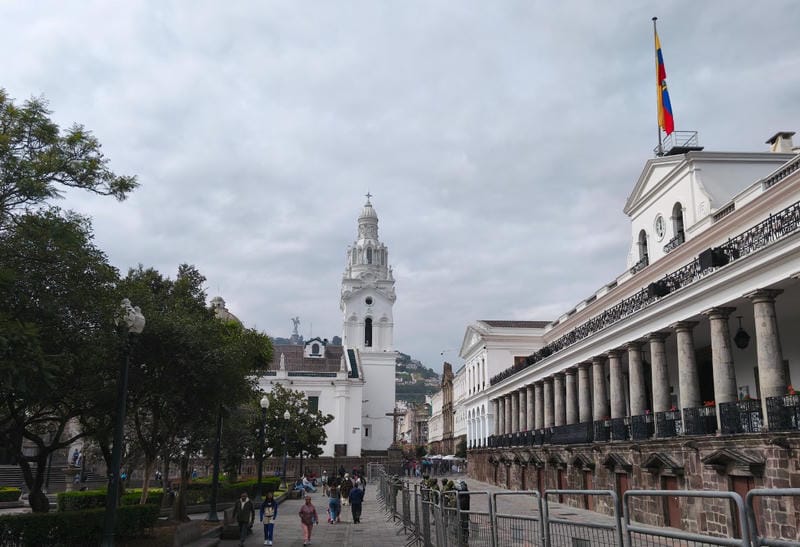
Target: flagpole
(658,91)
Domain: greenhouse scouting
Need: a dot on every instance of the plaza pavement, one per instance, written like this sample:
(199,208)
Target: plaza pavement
(374,530)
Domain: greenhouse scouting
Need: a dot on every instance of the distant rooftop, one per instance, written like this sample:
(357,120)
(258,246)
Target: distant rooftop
(516,324)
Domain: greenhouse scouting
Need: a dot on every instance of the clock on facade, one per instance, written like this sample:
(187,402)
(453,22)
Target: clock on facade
(660,227)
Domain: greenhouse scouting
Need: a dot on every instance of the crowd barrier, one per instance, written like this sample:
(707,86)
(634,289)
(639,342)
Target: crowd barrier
(430,518)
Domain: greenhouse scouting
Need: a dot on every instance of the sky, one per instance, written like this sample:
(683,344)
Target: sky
(500,140)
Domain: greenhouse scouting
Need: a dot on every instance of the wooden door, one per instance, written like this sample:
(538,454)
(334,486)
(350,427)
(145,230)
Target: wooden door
(672,506)
(588,484)
(742,485)
(522,473)
(561,484)
(622,487)
(540,480)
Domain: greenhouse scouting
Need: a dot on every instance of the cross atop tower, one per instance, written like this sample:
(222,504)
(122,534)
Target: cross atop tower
(368,195)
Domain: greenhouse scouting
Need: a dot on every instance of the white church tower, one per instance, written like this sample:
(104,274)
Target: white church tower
(366,302)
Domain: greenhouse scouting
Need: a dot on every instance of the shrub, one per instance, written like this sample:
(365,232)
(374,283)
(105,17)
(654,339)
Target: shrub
(90,499)
(74,528)
(9,493)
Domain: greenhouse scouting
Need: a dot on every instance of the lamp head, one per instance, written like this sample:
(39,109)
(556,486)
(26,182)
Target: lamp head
(286,415)
(264,402)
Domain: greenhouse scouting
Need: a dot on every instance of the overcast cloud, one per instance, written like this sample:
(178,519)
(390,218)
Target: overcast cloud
(500,139)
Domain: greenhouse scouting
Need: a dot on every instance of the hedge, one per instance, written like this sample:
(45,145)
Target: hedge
(89,499)
(74,528)
(9,493)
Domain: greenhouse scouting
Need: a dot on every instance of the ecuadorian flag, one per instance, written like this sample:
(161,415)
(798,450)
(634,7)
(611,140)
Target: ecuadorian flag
(665,120)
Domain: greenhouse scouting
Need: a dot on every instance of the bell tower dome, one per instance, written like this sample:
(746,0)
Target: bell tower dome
(368,295)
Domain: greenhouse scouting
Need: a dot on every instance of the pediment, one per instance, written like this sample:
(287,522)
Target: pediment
(730,461)
(658,462)
(581,461)
(524,457)
(615,462)
(555,460)
(655,173)
(472,337)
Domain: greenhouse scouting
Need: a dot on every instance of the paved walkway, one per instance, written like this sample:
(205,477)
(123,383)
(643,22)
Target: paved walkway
(374,530)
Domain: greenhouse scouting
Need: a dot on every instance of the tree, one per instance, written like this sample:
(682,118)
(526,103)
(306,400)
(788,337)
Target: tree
(186,364)
(37,160)
(305,430)
(57,339)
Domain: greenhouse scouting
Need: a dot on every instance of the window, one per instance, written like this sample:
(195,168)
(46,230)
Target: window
(368,332)
(366,431)
(313,404)
(643,246)
(369,256)
(315,349)
(677,221)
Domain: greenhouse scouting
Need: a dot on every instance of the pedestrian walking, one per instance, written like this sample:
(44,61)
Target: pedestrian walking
(344,489)
(245,514)
(308,518)
(356,499)
(334,504)
(268,514)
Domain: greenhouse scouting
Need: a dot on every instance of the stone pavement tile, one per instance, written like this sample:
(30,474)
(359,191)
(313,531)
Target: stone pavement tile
(374,530)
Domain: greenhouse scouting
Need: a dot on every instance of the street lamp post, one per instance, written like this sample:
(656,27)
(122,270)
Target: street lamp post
(132,321)
(262,446)
(212,505)
(286,417)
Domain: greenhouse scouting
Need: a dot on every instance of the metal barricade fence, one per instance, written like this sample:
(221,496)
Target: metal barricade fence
(476,523)
(576,533)
(518,529)
(637,534)
(759,537)
(406,499)
(426,511)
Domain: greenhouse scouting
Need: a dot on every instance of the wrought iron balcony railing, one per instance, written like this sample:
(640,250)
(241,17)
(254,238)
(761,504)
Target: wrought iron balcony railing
(784,413)
(674,242)
(740,416)
(668,424)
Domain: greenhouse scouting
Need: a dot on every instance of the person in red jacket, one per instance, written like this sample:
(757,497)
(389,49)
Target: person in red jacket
(308,518)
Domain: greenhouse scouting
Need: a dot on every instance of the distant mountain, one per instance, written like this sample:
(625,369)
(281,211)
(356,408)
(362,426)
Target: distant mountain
(413,380)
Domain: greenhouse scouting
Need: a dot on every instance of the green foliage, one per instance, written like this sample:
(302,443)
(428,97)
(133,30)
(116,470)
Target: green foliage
(461,449)
(38,160)
(75,528)
(59,348)
(90,499)
(305,430)
(9,493)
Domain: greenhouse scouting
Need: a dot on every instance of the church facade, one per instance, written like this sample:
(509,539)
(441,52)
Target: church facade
(353,381)
(676,375)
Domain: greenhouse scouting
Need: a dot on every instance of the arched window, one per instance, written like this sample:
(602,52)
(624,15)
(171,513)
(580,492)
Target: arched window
(368,332)
(369,255)
(643,247)
(677,222)
(314,349)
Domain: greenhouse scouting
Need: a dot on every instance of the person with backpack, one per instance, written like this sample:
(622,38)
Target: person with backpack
(267,514)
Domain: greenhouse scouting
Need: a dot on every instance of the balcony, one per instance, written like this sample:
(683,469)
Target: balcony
(673,243)
(740,416)
(641,265)
(784,412)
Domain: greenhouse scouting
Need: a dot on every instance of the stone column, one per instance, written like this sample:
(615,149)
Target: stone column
(688,377)
(559,401)
(523,409)
(502,404)
(509,423)
(538,403)
(771,375)
(600,409)
(514,411)
(529,410)
(658,356)
(572,396)
(725,389)
(636,379)
(616,384)
(496,410)
(584,393)
(549,418)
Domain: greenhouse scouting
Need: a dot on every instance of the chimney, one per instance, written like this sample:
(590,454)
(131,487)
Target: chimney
(781,142)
